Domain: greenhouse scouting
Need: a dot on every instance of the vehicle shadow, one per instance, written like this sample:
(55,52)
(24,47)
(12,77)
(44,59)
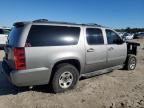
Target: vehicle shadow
(6,87)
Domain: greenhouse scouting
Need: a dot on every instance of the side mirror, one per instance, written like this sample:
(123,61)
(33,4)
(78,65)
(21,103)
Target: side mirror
(123,38)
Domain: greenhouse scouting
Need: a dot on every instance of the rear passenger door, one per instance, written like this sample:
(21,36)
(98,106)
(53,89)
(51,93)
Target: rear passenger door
(116,53)
(95,50)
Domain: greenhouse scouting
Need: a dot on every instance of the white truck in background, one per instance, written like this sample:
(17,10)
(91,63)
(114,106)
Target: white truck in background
(3,35)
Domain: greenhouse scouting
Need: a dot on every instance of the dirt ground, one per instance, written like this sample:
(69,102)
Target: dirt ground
(118,89)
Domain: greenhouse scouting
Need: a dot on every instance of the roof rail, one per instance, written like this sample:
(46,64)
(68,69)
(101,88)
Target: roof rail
(92,24)
(59,22)
(41,20)
(46,21)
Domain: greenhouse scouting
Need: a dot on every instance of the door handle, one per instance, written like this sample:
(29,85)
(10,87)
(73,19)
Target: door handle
(90,50)
(111,48)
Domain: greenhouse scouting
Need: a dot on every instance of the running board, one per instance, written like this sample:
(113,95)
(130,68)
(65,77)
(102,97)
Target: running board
(100,72)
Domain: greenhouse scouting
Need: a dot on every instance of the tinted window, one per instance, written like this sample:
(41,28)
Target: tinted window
(94,36)
(14,35)
(112,36)
(42,35)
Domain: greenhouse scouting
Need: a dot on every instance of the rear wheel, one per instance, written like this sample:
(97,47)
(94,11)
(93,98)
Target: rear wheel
(131,62)
(65,78)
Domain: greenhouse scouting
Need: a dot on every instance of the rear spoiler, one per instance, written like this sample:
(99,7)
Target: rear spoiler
(21,24)
(18,24)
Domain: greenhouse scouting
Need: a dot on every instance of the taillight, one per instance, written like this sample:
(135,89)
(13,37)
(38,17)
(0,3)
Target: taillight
(19,58)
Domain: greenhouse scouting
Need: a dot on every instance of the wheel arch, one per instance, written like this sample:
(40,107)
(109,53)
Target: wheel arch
(73,61)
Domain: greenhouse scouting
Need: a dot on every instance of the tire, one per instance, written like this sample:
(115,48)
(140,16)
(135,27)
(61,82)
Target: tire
(130,62)
(65,78)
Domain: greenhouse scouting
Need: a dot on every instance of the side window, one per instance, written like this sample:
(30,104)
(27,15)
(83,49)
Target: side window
(44,35)
(112,36)
(94,36)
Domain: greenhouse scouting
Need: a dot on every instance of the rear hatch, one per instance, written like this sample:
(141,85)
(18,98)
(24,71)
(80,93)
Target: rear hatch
(14,41)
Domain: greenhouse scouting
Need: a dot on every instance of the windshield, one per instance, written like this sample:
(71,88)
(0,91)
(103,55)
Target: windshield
(7,31)
(1,31)
(4,31)
(126,34)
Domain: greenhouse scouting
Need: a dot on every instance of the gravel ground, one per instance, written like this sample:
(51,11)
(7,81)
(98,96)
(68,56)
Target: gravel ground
(118,89)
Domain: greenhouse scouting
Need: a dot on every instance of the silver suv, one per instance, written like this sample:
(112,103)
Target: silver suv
(59,53)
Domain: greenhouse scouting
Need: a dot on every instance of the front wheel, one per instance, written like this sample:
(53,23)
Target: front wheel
(131,62)
(65,78)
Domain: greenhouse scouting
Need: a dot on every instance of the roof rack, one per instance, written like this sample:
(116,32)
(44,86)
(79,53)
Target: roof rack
(92,24)
(59,22)
(41,20)
(63,22)
(45,21)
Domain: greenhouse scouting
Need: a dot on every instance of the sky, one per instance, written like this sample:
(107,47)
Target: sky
(110,13)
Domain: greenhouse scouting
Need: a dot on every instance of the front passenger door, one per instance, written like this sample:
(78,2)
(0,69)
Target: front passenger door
(116,52)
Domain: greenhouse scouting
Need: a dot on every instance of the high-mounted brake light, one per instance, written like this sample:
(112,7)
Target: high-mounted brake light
(19,58)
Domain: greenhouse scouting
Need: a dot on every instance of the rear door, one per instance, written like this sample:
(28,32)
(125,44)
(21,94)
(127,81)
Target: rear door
(116,53)
(95,50)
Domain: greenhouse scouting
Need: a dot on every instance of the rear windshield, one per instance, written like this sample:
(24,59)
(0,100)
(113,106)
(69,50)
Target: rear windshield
(44,35)
(14,35)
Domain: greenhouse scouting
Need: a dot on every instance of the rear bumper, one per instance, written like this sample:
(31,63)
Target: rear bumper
(29,77)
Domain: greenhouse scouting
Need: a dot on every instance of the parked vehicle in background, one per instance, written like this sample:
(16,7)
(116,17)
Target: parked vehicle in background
(59,53)
(120,33)
(3,35)
(139,35)
(128,36)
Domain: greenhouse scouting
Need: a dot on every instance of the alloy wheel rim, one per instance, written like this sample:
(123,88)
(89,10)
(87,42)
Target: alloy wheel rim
(132,63)
(65,79)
